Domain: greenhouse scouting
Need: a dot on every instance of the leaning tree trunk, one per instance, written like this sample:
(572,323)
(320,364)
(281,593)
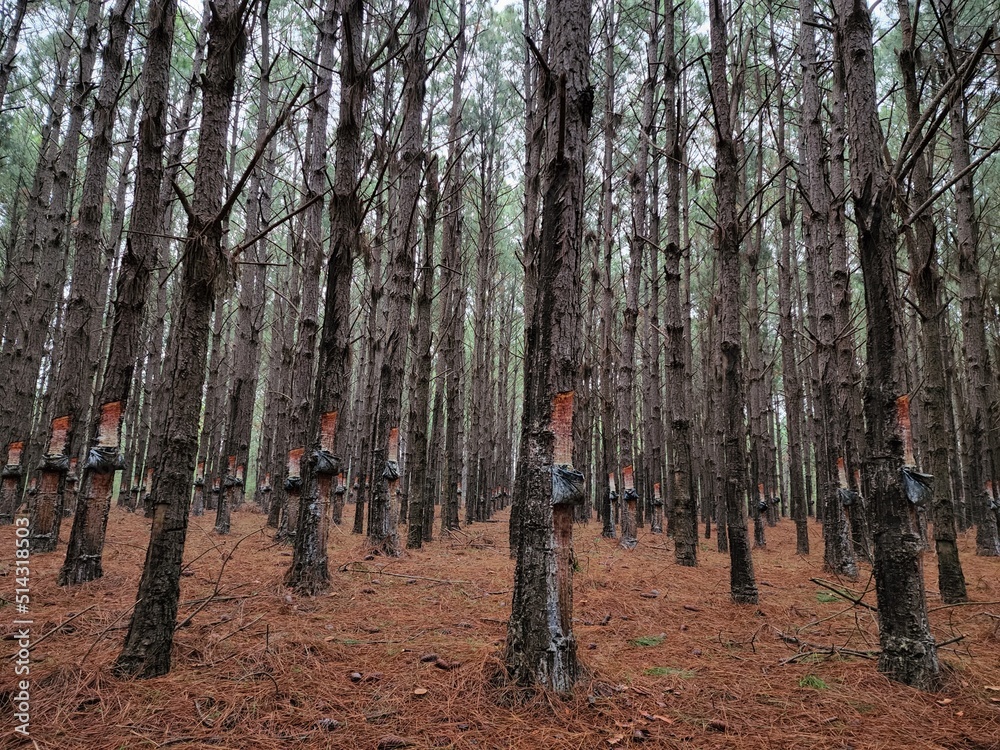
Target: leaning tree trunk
(11,35)
(71,394)
(23,264)
(146,652)
(743,585)
(46,506)
(908,653)
(541,649)
(74,380)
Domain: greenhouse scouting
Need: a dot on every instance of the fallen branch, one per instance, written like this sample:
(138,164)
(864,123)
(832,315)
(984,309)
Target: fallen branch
(218,581)
(819,648)
(346,568)
(960,604)
(56,629)
(841,591)
(108,630)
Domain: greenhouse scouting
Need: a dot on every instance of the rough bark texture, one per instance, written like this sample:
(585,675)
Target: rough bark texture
(86,544)
(11,35)
(625,386)
(72,388)
(786,333)
(308,573)
(146,652)
(926,279)
(383,520)
(453,290)
(849,402)
(304,369)
(541,649)
(981,391)
(681,496)
(24,261)
(41,301)
(838,554)
(421,484)
(908,653)
(743,585)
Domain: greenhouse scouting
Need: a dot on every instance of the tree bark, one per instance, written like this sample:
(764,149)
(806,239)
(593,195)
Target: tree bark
(146,652)
(86,545)
(981,468)
(925,278)
(11,36)
(838,553)
(420,482)
(541,648)
(383,534)
(908,653)
(453,289)
(743,586)
(682,498)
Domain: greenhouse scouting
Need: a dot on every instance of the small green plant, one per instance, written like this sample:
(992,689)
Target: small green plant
(648,640)
(826,597)
(812,681)
(667,671)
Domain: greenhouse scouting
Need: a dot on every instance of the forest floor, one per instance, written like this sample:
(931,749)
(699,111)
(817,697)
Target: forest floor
(670,662)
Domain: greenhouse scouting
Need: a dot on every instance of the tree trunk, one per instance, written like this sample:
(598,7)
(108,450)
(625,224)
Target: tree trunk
(541,649)
(11,35)
(453,289)
(423,366)
(304,368)
(838,553)
(146,652)
(925,278)
(252,277)
(683,500)
(383,519)
(981,468)
(743,586)
(86,544)
(789,357)
(908,653)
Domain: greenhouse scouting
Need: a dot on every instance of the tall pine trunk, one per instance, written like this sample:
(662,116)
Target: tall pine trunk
(908,653)
(146,652)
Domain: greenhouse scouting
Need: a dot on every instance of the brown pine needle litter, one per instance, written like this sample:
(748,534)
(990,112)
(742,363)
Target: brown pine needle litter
(256,666)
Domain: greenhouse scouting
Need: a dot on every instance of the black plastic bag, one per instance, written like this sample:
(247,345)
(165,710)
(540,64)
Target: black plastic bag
(325,462)
(847,497)
(917,486)
(567,485)
(54,462)
(104,459)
